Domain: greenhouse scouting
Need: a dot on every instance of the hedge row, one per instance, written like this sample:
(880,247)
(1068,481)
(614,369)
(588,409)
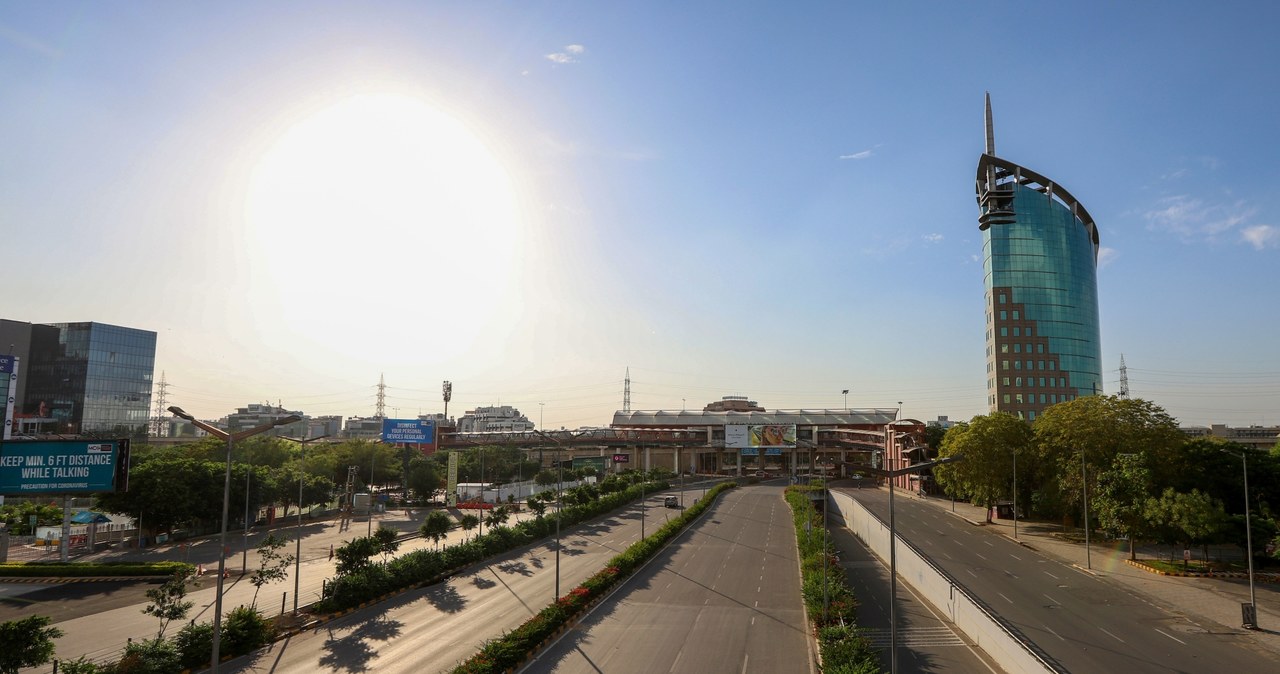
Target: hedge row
(510,650)
(91,569)
(423,567)
(843,650)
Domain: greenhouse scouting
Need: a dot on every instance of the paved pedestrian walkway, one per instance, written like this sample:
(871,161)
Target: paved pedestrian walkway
(1213,603)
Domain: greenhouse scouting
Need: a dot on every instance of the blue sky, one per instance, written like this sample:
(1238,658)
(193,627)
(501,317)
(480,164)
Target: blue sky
(727,198)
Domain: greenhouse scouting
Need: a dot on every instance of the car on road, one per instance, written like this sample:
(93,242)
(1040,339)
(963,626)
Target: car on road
(671,502)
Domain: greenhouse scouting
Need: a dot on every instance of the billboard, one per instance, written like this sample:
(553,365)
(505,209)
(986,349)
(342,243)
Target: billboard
(743,436)
(413,431)
(9,384)
(64,466)
(451,496)
(622,458)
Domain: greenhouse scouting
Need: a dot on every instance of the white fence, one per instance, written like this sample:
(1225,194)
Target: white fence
(998,639)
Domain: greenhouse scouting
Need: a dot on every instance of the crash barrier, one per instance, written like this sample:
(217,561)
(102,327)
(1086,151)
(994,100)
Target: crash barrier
(1002,641)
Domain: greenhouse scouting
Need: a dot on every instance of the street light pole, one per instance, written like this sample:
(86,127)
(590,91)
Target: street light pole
(297,552)
(1248,537)
(1084,497)
(1015,494)
(893,546)
(226,506)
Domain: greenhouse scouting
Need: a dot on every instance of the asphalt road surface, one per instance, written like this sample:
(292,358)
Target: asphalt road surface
(724,597)
(1086,623)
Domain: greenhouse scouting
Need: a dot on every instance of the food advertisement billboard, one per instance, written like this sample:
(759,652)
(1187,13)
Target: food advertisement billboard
(743,436)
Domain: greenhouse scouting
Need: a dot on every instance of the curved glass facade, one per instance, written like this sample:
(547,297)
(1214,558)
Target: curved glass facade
(1040,265)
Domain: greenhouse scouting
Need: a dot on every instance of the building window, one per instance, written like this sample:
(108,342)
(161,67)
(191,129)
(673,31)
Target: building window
(1004,332)
(1019,380)
(1017,364)
(1039,348)
(1004,348)
(1017,348)
(1017,332)
(1018,397)
(1062,382)
(1041,365)
(1004,315)
(1031,415)
(1028,331)
(1041,398)
(1028,365)
(1052,366)
(1004,365)
(1006,381)
(1006,398)
(1002,302)
(1015,314)
(1042,384)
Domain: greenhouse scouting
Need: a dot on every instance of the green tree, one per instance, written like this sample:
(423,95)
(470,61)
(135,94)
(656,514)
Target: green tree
(545,478)
(536,505)
(436,526)
(1098,428)
(469,522)
(422,477)
(26,643)
(169,601)
(1121,500)
(356,555)
(388,540)
(273,565)
(1185,517)
(988,444)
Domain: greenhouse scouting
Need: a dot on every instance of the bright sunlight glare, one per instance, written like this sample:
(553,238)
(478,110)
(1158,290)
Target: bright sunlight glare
(382,206)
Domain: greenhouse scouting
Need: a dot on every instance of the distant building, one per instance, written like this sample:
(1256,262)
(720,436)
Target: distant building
(362,428)
(80,378)
(1256,437)
(256,415)
(733,404)
(941,422)
(1040,261)
(505,419)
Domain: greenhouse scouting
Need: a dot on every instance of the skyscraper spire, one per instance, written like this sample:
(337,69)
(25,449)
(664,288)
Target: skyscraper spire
(991,133)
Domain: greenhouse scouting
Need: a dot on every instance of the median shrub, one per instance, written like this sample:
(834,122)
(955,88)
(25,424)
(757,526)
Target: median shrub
(842,648)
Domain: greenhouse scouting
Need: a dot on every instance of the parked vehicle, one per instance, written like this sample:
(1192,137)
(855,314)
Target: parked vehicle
(671,502)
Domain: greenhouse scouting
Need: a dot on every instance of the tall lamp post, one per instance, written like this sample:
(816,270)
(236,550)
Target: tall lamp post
(231,438)
(1251,611)
(893,546)
(297,553)
(559,485)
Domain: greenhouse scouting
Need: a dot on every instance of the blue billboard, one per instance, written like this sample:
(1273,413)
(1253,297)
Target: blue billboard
(63,466)
(414,431)
(6,364)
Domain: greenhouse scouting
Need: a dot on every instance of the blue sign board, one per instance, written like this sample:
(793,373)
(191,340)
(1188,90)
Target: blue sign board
(415,431)
(773,451)
(6,364)
(63,466)
(751,451)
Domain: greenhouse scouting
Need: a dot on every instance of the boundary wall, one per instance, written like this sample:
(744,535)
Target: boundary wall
(1000,640)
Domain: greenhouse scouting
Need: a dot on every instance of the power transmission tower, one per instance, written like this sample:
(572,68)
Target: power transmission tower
(447,389)
(1124,379)
(626,392)
(381,412)
(157,423)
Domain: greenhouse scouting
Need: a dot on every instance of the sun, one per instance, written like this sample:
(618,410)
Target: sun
(382,209)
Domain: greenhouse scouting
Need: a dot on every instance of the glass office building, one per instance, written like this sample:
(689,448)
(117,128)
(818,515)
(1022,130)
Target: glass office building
(1040,253)
(90,378)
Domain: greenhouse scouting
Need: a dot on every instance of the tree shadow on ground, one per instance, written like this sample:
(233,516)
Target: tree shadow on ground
(445,597)
(482,583)
(353,652)
(515,566)
(535,561)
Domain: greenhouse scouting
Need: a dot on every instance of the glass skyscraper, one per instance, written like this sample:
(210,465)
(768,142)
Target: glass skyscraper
(91,378)
(1040,255)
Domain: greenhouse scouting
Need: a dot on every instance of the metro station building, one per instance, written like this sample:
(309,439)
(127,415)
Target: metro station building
(831,442)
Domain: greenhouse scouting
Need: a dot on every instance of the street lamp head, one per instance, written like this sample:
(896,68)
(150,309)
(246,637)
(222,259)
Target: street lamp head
(177,412)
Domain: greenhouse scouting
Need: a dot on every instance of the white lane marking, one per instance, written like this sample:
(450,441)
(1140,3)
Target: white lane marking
(971,573)
(990,543)
(980,555)
(1052,632)
(1170,636)
(1052,576)
(745,657)
(1114,636)
(1052,600)
(1004,597)
(1015,556)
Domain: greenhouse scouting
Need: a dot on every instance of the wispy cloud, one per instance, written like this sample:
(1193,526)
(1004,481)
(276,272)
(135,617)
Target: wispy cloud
(1193,219)
(1262,236)
(1106,256)
(857,155)
(933,238)
(27,42)
(570,54)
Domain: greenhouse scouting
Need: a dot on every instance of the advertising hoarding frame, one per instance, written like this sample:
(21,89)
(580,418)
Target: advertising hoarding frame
(755,436)
(35,467)
(409,431)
